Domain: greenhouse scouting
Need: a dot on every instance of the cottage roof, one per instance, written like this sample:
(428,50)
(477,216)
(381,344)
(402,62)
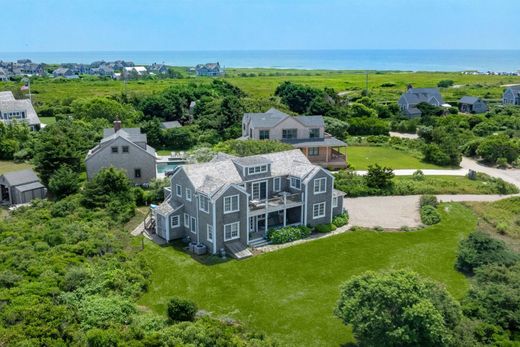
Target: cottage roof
(17,178)
(273,116)
(29,186)
(171,125)
(414,96)
(320,142)
(132,135)
(9,104)
(469,100)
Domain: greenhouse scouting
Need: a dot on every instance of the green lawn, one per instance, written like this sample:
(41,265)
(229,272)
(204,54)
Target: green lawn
(360,157)
(48,120)
(290,294)
(7,166)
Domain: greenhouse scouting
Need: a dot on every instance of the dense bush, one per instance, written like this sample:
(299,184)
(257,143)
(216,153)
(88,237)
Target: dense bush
(480,249)
(181,310)
(429,215)
(325,228)
(288,234)
(243,148)
(428,200)
(341,219)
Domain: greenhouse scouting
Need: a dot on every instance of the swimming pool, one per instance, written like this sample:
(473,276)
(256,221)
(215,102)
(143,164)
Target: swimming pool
(163,167)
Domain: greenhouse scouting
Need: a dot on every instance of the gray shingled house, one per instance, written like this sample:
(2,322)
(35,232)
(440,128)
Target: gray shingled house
(408,101)
(126,149)
(304,132)
(20,187)
(230,202)
(209,69)
(511,95)
(472,104)
(12,110)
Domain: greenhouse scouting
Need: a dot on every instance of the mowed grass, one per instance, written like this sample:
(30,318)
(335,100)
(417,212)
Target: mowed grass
(360,157)
(290,294)
(8,166)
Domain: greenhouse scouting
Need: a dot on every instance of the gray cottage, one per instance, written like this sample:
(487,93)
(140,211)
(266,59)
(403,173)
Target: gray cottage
(126,149)
(230,202)
(209,69)
(20,187)
(304,132)
(12,110)
(511,95)
(408,101)
(472,104)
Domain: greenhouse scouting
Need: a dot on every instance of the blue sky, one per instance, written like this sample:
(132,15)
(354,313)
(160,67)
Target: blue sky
(90,25)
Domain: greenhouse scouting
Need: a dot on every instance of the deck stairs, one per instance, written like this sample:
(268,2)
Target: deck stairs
(238,250)
(259,243)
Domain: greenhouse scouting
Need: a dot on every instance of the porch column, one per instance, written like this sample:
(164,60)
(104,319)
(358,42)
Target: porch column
(327,149)
(285,210)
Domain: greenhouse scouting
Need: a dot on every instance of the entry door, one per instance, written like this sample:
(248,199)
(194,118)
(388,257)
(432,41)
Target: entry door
(259,190)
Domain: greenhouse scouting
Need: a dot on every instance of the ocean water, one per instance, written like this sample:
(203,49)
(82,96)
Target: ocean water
(405,60)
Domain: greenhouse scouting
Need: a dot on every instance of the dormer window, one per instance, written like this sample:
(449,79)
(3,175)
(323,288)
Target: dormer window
(296,183)
(255,170)
(314,133)
(288,134)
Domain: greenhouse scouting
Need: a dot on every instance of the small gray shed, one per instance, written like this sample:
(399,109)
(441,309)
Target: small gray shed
(20,187)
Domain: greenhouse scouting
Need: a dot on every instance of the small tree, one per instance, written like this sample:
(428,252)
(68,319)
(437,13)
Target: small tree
(398,309)
(181,310)
(64,182)
(379,177)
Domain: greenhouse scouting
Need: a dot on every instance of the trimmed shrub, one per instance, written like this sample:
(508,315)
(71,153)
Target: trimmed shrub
(325,228)
(428,200)
(341,219)
(288,234)
(418,175)
(429,215)
(181,310)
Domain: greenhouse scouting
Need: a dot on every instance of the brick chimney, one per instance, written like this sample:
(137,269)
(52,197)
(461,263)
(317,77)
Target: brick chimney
(117,125)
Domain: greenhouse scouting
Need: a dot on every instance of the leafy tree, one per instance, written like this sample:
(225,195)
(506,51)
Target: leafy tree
(336,127)
(297,97)
(101,107)
(379,177)
(361,111)
(494,147)
(398,308)
(244,148)
(154,132)
(445,83)
(64,182)
(181,310)
(180,138)
(368,126)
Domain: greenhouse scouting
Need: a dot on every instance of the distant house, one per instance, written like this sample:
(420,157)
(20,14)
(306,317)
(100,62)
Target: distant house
(304,132)
(209,69)
(511,95)
(158,69)
(472,104)
(12,110)
(64,72)
(134,71)
(103,70)
(126,149)
(20,187)
(408,101)
(3,75)
(171,125)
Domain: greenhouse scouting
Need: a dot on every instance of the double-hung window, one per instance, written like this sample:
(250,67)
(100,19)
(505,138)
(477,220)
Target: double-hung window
(314,151)
(314,133)
(178,190)
(231,231)
(289,134)
(335,201)
(264,134)
(295,183)
(320,185)
(186,220)
(318,210)
(231,203)
(175,222)
(115,149)
(277,184)
(193,225)
(188,194)
(203,203)
(210,233)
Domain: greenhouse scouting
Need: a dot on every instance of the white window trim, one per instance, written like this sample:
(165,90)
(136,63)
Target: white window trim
(193,226)
(314,216)
(318,184)
(231,204)
(251,170)
(277,181)
(178,190)
(188,196)
(176,225)
(291,183)
(238,231)
(200,203)
(335,201)
(186,220)
(209,231)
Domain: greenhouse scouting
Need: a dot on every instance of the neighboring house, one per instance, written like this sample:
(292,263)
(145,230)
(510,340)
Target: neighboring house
(304,132)
(134,71)
(64,72)
(231,202)
(511,95)
(20,187)
(171,125)
(158,69)
(209,69)
(103,70)
(472,104)
(408,101)
(124,149)
(18,110)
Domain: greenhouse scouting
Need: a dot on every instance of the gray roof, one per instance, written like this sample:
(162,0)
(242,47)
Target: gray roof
(414,96)
(168,206)
(132,134)
(469,100)
(323,142)
(273,116)
(9,104)
(29,186)
(515,87)
(209,178)
(171,125)
(17,178)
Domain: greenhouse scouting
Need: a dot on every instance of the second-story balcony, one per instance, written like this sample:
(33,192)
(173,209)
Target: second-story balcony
(282,201)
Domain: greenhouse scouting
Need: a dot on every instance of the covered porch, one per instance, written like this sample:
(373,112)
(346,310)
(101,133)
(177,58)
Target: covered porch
(327,157)
(260,223)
